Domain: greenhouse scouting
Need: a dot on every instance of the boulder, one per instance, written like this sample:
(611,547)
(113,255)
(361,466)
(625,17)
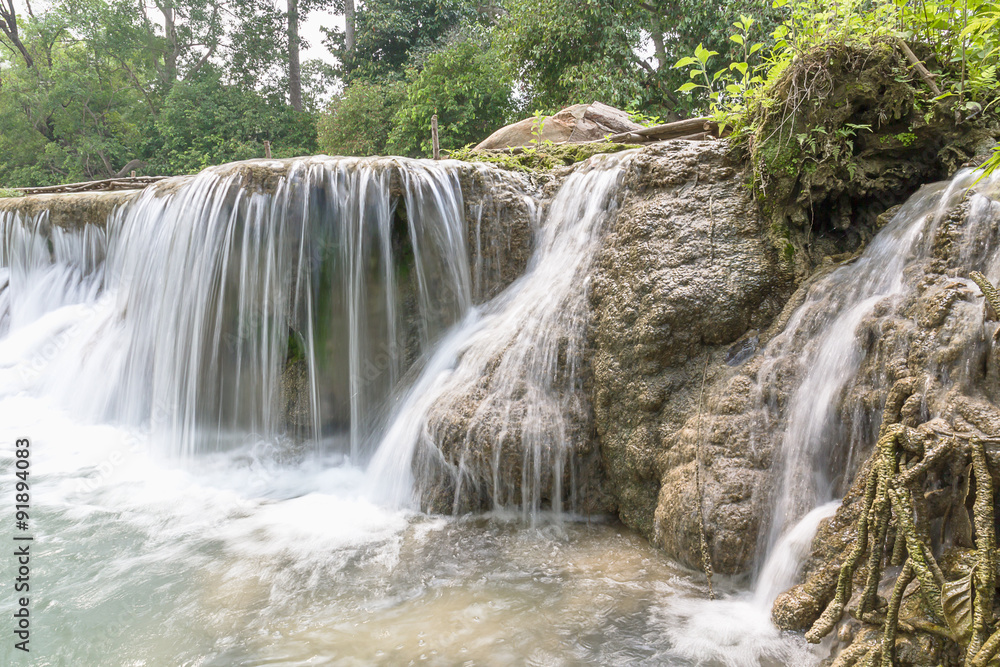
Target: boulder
(575,124)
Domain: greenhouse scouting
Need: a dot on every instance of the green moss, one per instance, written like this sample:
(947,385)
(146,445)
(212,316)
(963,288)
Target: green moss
(540,158)
(789,252)
(906,138)
(296,348)
(10,192)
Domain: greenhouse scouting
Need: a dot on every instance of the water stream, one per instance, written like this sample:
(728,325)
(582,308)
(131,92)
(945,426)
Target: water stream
(225,389)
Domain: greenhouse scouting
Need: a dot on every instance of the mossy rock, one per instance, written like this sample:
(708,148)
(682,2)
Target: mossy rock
(847,133)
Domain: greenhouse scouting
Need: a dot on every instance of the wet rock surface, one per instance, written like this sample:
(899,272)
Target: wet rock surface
(70,211)
(931,361)
(688,270)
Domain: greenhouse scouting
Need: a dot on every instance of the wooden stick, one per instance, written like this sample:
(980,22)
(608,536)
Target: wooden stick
(434,137)
(919,66)
(678,128)
(267,150)
(107,184)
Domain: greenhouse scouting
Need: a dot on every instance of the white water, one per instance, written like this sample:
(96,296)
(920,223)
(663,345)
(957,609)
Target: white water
(518,342)
(177,523)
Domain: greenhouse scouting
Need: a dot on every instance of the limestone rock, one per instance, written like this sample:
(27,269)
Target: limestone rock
(687,271)
(580,122)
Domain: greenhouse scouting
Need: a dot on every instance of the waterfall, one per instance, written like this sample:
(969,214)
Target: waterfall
(252,377)
(511,370)
(226,311)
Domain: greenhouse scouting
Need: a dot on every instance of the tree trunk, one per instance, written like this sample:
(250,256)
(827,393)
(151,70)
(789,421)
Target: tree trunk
(8,26)
(166,8)
(294,68)
(349,28)
(657,37)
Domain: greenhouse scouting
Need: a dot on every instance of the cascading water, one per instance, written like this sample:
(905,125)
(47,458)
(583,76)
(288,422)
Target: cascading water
(516,357)
(822,347)
(169,368)
(211,293)
(164,370)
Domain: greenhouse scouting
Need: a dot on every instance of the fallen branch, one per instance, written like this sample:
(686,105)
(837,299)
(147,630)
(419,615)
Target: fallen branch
(919,66)
(105,185)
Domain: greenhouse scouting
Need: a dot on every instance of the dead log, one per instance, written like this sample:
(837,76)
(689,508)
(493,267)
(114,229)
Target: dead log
(919,66)
(673,130)
(87,186)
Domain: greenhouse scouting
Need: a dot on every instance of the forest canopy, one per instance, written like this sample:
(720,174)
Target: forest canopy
(90,87)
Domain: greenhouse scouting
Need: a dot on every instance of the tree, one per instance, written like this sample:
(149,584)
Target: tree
(359,120)
(388,33)
(205,121)
(8,26)
(294,69)
(465,86)
(566,51)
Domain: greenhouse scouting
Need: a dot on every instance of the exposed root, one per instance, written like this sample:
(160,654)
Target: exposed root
(894,508)
(855,654)
(892,614)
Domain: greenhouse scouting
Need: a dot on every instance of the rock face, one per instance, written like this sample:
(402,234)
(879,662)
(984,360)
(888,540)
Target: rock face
(932,360)
(580,122)
(70,211)
(501,212)
(687,271)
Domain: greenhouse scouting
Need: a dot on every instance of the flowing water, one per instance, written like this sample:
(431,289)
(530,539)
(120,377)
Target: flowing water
(223,391)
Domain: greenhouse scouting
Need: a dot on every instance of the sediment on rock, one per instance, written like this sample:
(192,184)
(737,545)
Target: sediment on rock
(923,505)
(687,271)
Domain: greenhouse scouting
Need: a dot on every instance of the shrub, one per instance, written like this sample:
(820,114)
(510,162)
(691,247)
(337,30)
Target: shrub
(358,121)
(466,86)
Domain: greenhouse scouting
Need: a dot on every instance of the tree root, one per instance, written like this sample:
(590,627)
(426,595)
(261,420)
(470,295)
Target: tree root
(894,508)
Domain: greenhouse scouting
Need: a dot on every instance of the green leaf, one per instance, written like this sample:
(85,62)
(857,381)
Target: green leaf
(703,54)
(688,87)
(685,61)
(738,39)
(755,48)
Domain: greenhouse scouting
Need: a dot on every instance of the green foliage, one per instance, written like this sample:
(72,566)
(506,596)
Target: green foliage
(992,164)
(391,33)
(358,121)
(108,85)
(6,193)
(961,36)
(205,122)
(565,52)
(463,84)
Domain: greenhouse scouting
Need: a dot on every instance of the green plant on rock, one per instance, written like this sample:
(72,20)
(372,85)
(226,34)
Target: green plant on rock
(992,164)
(728,89)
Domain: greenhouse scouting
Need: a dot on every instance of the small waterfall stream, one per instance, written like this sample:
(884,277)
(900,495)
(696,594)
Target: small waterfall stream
(821,341)
(227,388)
